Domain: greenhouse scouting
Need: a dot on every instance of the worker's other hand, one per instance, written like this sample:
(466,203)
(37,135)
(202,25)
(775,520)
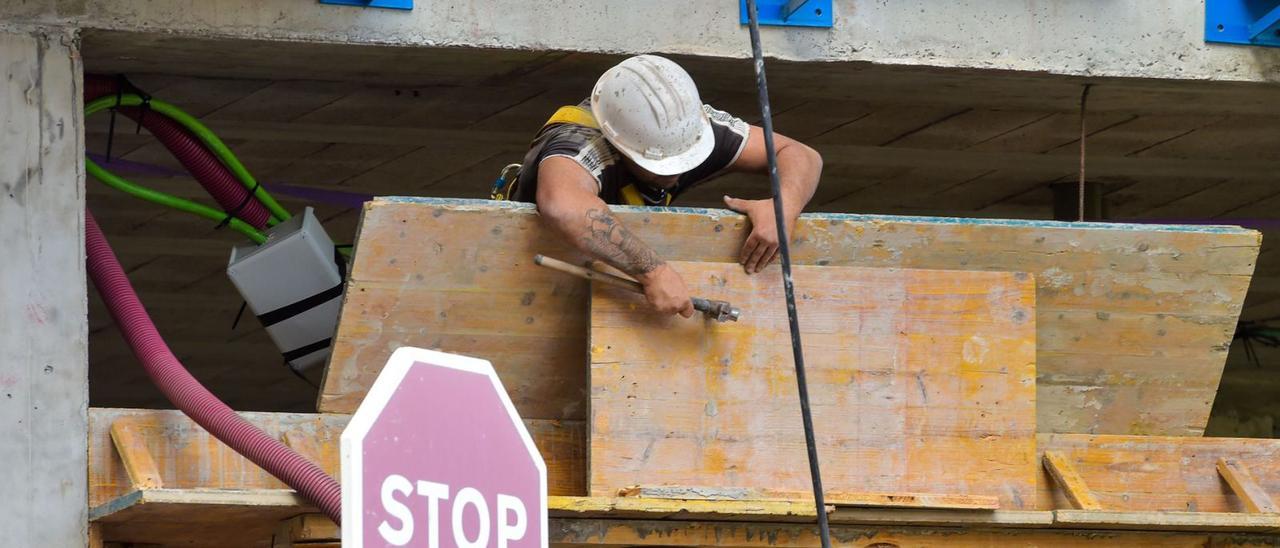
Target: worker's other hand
(761,247)
(666,292)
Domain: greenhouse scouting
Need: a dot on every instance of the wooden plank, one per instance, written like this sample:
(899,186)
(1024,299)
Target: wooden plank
(1170,521)
(422,266)
(198,517)
(307,531)
(134,455)
(1158,473)
(188,457)
(941,518)
(921,381)
(682,509)
(582,533)
(1067,479)
(836,499)
(1254,497)
(95,536)
(915,500)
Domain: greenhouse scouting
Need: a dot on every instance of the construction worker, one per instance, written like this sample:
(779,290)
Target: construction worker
(643,137)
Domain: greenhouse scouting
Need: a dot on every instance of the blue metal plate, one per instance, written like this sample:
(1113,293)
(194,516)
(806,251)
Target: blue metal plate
(1247,22)
(389,4)
(791,13)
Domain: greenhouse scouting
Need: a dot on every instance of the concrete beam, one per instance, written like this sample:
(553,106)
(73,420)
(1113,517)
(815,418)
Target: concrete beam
(43,315)
(1153,39)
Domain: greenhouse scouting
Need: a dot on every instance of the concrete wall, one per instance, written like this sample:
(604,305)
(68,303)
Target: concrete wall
(43,313)
(1145,38)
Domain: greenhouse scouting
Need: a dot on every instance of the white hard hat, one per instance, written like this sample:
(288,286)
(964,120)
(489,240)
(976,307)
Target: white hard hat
(648,108)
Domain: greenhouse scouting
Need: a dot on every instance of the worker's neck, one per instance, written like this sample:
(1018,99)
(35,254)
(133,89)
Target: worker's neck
(666,182)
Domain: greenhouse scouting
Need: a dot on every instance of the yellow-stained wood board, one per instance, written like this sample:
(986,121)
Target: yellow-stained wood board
(920,381)
(1252,496)
(1156,473)
(188,457)
(1069,482)
(1133,321)
(1126,473)
(197,518)
(840,500)
(574,530)
(570,528)
(583,533)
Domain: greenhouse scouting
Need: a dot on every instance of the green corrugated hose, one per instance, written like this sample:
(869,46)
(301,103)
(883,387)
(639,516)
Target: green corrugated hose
(169,200)
(201,132)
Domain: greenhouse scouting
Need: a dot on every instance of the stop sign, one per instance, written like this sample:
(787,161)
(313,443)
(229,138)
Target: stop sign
(437,456)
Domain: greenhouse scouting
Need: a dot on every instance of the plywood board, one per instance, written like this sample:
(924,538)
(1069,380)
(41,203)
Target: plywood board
(630,533)
(1157,473)
(198,518)
(188,457)
(1133,321)
(921,381)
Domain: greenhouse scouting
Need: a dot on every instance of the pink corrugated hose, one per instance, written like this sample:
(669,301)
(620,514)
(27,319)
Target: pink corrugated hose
(228,191)
(188,395)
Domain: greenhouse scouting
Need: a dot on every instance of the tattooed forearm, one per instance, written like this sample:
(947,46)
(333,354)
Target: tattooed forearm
(610,240)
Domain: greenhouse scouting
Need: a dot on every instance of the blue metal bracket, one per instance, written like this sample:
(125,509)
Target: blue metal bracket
(791,13)
(389,4)
(1247,22)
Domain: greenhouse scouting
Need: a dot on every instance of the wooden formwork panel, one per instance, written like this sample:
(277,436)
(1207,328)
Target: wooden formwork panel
(1160,473)
(1133,321)
(1125,473)
(207,496)
(584,533)
(188,457)
(920,381)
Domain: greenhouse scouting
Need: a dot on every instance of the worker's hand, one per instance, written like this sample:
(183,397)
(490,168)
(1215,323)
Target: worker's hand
(666,292)
(761,247)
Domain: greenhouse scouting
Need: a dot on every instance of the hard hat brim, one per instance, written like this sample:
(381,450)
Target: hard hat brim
(680,163)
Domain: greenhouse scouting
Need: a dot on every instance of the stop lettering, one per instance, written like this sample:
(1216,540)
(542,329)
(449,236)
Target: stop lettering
(437,456)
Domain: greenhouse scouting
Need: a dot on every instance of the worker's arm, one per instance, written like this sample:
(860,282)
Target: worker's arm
(567,199)
(799,169)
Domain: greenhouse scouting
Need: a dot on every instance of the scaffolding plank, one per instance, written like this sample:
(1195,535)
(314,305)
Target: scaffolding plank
(188,457)
(307,531)
(841,500)
(921,381)
(1135,319)
(1158,473)
(1168,521)
(198,518)
(568,533)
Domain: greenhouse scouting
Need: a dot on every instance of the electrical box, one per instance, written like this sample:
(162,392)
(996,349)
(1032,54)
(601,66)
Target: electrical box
(293,283)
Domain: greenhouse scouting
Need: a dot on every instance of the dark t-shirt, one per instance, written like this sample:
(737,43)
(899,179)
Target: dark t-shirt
(588,147)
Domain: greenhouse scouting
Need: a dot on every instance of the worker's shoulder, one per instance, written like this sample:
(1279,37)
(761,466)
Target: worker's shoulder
(726,120)
(584,145)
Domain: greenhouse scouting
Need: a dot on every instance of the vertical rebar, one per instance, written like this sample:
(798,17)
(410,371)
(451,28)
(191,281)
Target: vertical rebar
(797,350)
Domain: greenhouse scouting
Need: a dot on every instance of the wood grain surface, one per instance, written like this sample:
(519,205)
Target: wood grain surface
(921,381)
(1133,321)
(1158,473)
(188,457)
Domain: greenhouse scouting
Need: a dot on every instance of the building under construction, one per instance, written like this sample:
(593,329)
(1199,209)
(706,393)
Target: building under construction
(1035,300)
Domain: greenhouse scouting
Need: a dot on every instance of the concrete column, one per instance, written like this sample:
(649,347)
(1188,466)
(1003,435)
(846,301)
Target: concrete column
(44,389)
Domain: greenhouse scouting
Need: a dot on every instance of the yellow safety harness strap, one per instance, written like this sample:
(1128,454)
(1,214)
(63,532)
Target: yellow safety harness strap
(504,187)
(573,114)
(631,195)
